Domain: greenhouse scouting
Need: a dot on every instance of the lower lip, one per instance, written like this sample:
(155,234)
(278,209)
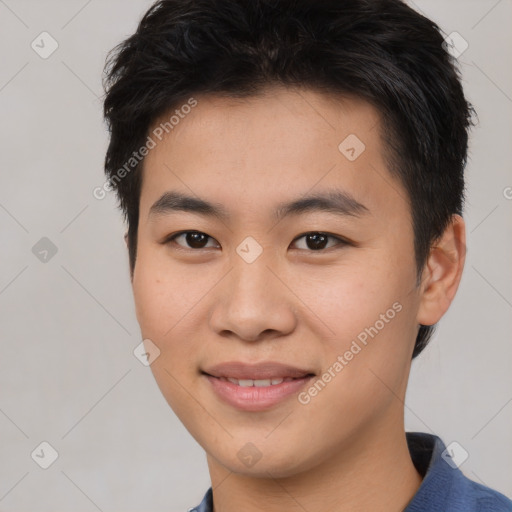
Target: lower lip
(254,398)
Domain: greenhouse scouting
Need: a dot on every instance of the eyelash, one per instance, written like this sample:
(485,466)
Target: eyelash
(341,242)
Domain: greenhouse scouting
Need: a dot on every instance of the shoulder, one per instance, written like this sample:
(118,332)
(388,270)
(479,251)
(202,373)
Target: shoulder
(488,499)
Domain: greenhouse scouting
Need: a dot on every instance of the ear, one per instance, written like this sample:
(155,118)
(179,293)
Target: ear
(126,242)
(442,272)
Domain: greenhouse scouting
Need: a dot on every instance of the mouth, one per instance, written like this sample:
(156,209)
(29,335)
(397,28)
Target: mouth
(255,387)
(251,374)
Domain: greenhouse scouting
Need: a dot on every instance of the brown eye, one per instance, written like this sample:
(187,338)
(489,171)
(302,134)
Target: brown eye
(192,239)
(317,241)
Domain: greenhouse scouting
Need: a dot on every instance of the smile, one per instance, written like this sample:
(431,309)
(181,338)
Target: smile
(255,395)
(259,383)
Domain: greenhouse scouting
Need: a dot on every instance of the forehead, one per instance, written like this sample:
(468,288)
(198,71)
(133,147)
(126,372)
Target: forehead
(249,152)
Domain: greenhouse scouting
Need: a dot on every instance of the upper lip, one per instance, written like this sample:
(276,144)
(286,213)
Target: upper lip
(259,371)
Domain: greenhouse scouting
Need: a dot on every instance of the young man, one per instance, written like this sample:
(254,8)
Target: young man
(292,178)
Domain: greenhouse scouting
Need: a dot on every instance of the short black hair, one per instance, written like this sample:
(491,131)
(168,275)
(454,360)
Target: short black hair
(382,51)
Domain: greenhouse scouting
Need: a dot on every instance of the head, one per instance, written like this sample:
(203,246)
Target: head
(249,106)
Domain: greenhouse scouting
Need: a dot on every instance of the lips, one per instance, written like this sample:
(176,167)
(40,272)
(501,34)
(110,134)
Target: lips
(261,374)
(255,387)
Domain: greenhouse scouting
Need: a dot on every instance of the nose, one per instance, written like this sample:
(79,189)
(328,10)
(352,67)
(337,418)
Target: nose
(253,302)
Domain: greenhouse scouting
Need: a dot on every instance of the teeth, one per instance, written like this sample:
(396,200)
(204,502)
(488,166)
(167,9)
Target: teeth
(259,383)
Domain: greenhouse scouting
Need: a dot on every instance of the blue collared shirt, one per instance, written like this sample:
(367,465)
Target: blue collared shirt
(444,487)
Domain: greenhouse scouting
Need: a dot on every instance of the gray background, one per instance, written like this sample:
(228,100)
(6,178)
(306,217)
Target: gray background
(68,328)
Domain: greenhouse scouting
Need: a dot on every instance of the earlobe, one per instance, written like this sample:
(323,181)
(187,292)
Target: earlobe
(442,272)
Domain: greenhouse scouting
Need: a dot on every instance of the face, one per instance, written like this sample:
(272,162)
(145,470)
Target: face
(296,281)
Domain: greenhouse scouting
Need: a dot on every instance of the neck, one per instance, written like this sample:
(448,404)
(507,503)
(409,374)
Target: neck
(375,472)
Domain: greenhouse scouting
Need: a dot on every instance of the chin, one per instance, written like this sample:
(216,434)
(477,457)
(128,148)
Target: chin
(275,461)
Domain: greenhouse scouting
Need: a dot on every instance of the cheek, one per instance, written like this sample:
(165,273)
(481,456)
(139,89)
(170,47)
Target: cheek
(351,298)
(371,314)
(168,306)
(159,296)
(164,300)
(361,380)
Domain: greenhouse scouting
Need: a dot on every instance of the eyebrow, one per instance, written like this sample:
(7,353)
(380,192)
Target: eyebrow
(332,201)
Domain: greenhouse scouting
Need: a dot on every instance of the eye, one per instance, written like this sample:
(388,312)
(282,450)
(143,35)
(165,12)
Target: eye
(314,240)
(194,239)
(317,241)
